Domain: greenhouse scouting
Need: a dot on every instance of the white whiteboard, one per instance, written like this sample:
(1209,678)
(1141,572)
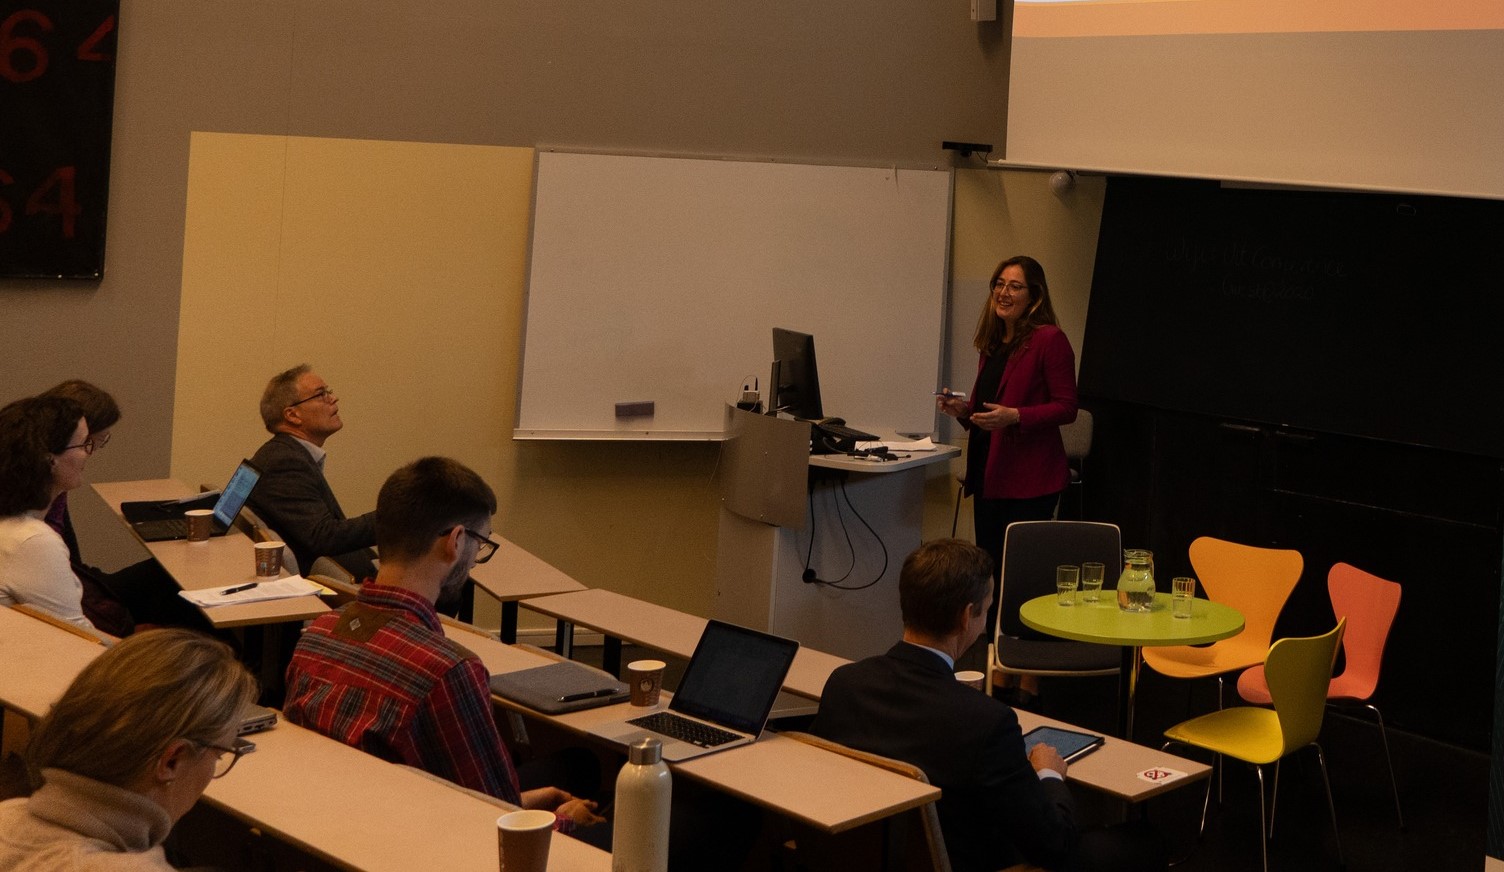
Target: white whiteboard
(660,279)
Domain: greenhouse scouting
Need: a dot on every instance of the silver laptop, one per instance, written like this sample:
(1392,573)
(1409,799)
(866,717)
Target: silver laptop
(724,699)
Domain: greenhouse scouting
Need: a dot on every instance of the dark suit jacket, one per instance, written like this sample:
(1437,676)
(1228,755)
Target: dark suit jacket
(293,497)
(1028,459)
(994,810)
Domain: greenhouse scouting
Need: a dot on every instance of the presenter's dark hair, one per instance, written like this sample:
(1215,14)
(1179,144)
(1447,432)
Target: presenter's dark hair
(100,409)
(31,431)
(991,329)
(426,499)
(131,702)
(281,392)
(938,579)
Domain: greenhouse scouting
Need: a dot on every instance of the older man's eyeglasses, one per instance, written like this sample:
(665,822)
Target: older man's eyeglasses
(1010,288)
(222,763)
(485,549)
(324,393)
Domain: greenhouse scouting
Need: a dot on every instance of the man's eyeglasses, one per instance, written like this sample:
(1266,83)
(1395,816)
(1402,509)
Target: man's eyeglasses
(324,393)
(486,548)
(223,764)
(1001,286)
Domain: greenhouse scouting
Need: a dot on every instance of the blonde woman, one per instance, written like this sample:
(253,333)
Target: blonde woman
(125,753)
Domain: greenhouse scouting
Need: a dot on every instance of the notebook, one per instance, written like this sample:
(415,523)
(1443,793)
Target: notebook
(723,700)
(162,520)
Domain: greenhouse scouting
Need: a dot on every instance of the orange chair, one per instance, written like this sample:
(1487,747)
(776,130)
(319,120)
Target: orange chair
(1256,582)
(1369,604)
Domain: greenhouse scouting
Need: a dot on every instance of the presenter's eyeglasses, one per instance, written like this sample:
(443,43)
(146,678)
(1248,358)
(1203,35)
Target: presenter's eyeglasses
(486,549)
(1001,287)
(324,393)
(223,764)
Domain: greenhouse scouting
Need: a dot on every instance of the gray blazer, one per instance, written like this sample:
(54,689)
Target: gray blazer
(296,501)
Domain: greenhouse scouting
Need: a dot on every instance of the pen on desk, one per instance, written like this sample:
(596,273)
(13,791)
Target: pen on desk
(229,590)
(589,694)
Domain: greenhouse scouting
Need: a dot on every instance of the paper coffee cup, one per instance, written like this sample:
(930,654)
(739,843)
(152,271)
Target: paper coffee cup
(645,677)
(523,838)
(268,559)
(972,678)
(200,524)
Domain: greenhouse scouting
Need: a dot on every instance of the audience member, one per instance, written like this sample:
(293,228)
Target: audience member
(998,807)
(44,444)
(380,675)
(301,411)
(125,753)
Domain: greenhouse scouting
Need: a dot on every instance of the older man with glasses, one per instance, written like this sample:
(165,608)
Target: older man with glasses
(301,411)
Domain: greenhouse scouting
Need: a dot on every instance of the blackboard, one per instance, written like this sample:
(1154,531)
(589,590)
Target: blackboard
(660,279)
(1361,314)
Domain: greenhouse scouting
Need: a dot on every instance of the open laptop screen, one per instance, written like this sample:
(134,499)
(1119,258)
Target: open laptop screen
(236,493)
(734,676)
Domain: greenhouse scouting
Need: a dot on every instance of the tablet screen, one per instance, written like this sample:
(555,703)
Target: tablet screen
(1070,743)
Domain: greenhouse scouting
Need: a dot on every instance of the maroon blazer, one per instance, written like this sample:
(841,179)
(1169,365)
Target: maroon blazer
(1028,459)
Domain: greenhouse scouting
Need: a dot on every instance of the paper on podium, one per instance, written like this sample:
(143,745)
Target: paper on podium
(925,444)
(275,589)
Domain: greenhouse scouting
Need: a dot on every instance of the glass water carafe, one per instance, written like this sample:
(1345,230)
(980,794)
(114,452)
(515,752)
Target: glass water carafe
(1136,584)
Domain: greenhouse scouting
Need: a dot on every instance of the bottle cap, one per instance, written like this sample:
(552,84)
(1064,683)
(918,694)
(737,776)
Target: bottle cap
(645,752)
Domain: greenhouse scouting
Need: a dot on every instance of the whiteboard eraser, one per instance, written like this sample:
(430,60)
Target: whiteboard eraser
(640,409)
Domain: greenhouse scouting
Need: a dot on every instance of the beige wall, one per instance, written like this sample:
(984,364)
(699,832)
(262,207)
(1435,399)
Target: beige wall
(784,80)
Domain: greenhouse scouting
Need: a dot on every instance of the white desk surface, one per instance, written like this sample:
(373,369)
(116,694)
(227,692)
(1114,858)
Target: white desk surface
(222,561)
(824,789)
(673,632)
(344,805)
(513,573)
(318,794)
(1114,768)
(914,459)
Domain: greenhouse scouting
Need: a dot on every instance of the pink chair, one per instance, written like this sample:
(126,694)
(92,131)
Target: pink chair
(1369,603)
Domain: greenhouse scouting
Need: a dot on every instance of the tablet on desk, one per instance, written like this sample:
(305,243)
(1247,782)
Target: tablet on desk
(1070,743)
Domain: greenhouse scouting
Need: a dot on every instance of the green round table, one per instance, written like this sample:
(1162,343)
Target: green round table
(1106,624)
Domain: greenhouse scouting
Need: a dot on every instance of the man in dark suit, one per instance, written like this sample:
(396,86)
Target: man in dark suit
(998,807)
(300,411)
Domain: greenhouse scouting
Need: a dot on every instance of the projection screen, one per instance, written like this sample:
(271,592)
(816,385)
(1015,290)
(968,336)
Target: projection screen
(1366,94)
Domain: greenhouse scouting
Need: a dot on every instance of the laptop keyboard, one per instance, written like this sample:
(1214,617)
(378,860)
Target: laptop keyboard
(684,729)
(164,529)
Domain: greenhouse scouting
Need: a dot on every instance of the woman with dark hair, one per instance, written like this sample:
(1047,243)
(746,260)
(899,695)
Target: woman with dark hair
(101,412)
(1024,391)
(125,753)
(44,444)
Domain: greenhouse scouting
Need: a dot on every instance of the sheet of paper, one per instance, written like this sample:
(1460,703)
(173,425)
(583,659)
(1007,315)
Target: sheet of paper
(281,588)
(925,444)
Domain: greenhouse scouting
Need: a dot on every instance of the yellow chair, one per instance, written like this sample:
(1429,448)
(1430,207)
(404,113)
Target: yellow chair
(1299,671)
(1256,582)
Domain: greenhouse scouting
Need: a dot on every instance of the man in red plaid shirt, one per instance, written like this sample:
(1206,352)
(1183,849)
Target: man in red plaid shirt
(379,673)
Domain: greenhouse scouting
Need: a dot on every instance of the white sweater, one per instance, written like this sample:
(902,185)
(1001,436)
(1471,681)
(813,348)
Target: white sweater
(34,569)
(77,824)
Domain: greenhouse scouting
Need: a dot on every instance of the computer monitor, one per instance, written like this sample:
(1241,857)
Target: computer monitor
(795,378)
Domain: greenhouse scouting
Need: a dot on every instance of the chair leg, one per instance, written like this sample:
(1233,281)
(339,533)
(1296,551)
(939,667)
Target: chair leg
(955,519)
(1330,805)
(1274,800)
(1263,822)
(1388,760)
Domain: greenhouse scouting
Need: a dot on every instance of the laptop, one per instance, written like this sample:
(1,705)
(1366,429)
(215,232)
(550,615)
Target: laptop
(163,520)
(724,699)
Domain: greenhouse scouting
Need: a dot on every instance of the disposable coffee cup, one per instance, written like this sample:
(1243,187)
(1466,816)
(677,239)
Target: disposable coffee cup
(200,524)
(523,837)
(646,680)
(268,559)
(972,678)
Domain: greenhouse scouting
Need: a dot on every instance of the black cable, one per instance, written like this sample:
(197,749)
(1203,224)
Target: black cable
(809,574)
